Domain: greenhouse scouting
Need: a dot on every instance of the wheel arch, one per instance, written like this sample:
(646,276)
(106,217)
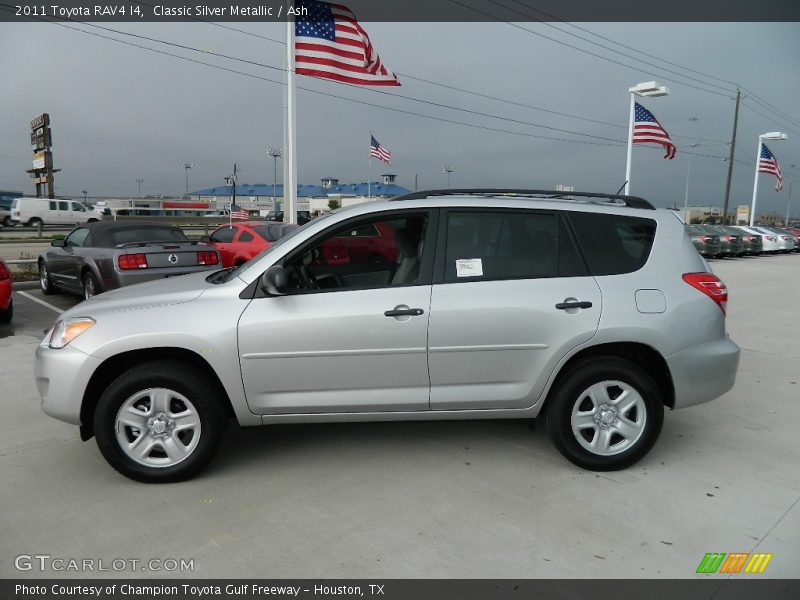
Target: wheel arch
(640,354)
(114,366)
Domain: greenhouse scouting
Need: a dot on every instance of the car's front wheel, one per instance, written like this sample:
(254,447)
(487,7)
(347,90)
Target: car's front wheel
(606,414)
(159,422)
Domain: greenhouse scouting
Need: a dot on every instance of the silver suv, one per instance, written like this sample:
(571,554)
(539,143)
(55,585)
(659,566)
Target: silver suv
(592,309)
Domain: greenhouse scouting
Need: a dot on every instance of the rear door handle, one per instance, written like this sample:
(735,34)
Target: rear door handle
(400,312)
(566,305)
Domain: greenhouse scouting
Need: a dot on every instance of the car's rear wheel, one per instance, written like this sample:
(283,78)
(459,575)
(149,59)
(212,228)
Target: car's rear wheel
(7,313)
(90,286)
(159,422)
(44,279)
(606,414)
(35,222)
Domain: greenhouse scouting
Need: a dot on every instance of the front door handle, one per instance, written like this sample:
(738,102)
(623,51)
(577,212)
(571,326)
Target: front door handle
(576,304)
(401,312)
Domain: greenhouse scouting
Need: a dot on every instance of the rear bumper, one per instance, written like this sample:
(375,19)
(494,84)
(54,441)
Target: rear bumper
(126,278)
(704,372)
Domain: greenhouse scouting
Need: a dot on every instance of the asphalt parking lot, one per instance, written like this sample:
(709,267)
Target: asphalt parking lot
(480,499)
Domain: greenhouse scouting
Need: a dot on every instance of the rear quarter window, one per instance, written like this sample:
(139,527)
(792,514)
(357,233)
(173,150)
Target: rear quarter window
(613,244)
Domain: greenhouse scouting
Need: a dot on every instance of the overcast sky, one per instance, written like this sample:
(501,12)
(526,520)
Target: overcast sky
(119,112)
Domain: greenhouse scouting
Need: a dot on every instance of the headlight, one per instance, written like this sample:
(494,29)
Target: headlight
(66,331)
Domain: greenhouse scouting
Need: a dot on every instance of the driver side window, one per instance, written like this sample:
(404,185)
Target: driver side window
(349,258)
(77,238)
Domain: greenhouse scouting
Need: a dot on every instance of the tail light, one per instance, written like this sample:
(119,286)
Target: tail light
(711,285)
(4,272)
(207,258)
(705,238)
(132,261)
(727,238)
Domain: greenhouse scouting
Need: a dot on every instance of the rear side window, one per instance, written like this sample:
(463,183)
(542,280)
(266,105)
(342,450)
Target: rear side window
(613,244)
(508,245)
(223,235)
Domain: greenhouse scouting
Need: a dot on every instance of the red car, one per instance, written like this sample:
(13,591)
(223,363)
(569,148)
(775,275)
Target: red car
(241,241)
(372,243)
(6,303)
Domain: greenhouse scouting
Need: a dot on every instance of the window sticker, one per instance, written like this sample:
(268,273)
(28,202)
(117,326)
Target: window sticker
(469,267)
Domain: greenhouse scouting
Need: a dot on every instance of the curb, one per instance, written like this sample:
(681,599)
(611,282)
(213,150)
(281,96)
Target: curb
(24,285)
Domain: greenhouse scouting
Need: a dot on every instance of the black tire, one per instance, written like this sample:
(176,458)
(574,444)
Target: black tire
(179,379)
(35,222)
(7,222)
(611,375)
(90,285)
(7,313)
(45,283)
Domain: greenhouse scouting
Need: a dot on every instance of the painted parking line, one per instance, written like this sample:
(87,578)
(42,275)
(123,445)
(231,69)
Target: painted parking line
(42,302)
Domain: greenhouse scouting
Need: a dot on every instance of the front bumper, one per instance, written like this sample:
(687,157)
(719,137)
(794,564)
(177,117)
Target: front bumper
(704,372)
(62,377)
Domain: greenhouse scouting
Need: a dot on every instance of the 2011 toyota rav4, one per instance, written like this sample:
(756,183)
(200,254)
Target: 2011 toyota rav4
(592,309)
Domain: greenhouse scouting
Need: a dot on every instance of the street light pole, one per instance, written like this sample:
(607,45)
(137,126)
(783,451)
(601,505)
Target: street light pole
(275,153)
(775,135)
(84,197)
(448,169)
(139,185)
(789,198)
(650,89)
(186,167)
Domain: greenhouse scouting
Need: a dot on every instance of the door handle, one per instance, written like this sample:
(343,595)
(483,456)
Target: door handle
(566,305)
(400,312)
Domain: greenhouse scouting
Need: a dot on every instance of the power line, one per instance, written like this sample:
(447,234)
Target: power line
(361,102)
(583,50)
(382,92)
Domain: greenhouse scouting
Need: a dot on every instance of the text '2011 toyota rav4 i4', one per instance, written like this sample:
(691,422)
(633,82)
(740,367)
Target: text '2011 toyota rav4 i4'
(594,310)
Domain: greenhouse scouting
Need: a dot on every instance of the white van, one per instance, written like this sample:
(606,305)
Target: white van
(33,211)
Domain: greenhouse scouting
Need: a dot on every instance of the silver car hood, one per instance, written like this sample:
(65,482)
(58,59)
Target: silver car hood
(171,290)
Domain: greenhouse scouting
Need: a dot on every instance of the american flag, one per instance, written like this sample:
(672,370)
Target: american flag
(647,129)
(767,163)
(237,212)
(378,151)
(329,43)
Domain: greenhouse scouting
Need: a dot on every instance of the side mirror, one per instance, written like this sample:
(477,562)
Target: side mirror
(274,281)
(58,243)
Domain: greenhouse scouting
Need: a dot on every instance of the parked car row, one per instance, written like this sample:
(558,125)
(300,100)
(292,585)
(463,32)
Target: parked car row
(729,240)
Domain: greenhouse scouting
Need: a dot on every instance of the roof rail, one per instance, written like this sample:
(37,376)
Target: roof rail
(630,201)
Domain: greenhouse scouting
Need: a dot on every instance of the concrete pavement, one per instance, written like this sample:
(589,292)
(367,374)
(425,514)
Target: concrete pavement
(457,499)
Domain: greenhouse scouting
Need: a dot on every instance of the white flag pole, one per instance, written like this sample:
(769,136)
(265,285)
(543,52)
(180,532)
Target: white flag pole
(290,138)
(630,148)
(369,173)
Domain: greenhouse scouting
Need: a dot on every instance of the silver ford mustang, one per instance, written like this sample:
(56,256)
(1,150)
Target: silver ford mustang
(102,256)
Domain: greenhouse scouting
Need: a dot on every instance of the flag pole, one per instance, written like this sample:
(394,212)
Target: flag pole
(630,147)
(369,178)
(290,138)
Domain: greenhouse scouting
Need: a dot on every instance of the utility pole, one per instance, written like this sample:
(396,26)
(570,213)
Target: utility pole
(730,159)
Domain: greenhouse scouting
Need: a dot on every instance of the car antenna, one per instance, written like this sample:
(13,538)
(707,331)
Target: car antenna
(622,187)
